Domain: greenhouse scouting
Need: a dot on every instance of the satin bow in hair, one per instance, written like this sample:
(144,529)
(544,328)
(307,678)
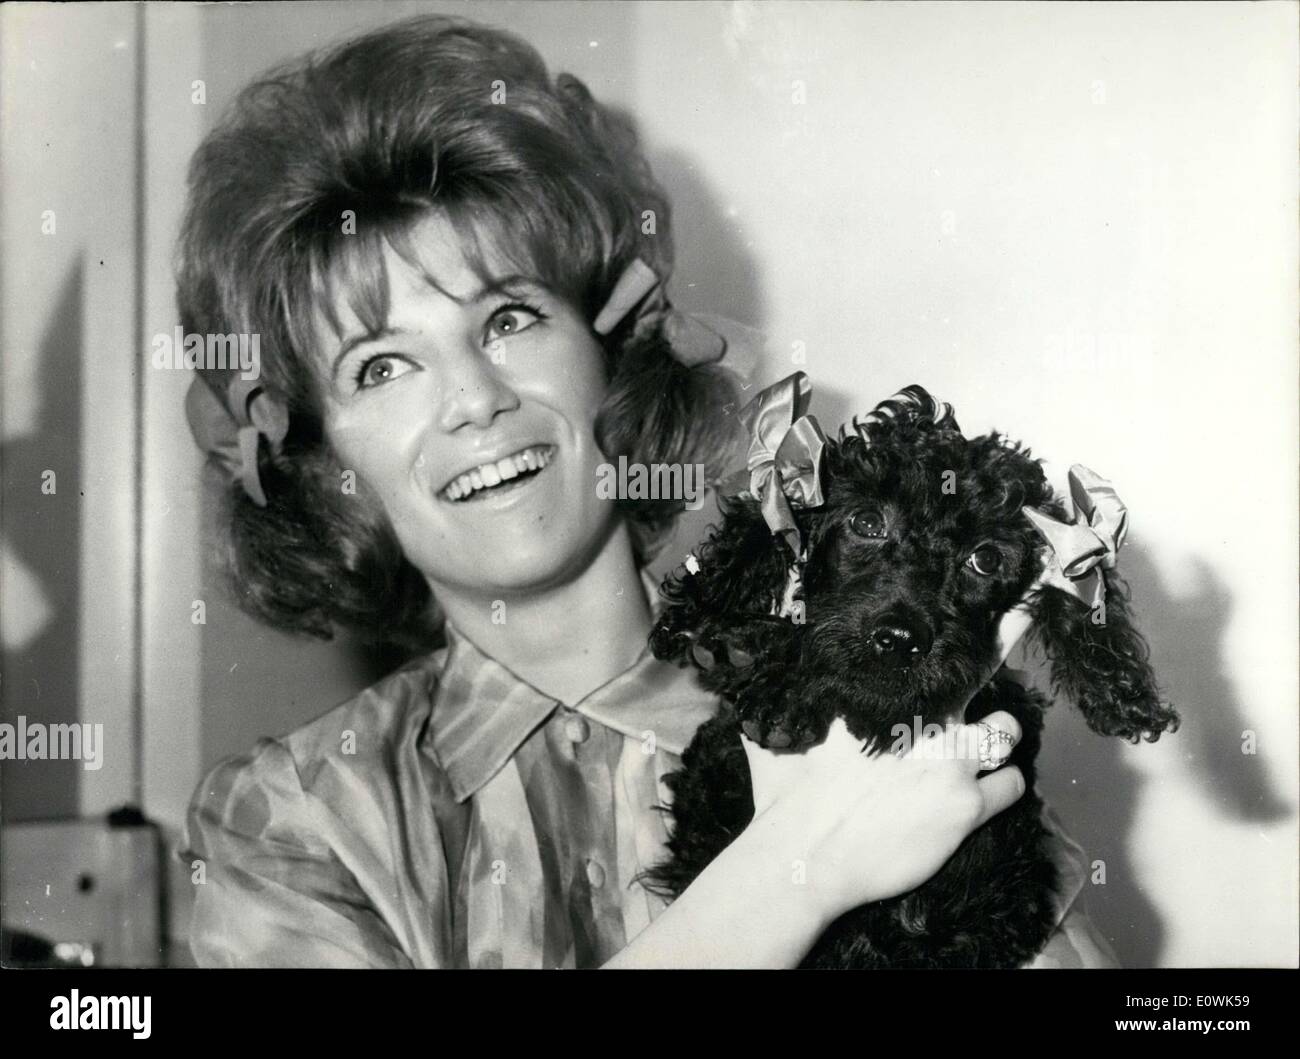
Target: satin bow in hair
(696,338)
(229,430)
(1081,549)
(783,466)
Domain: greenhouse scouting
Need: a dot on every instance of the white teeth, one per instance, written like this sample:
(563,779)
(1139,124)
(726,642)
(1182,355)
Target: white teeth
(491,474)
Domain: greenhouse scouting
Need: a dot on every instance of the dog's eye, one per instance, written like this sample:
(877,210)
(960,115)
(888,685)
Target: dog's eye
(868,524)
(985,559)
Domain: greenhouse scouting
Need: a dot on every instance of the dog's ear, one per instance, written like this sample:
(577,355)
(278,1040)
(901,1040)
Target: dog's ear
(1099,659)
(716,603)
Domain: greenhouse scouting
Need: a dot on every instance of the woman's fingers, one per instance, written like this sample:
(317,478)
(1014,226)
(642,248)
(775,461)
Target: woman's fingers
(986,744)
(979,747)
(995,737)
(1001,790)
(881,824)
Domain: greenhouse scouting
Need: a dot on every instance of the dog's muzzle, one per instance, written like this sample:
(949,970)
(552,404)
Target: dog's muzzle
(899,637)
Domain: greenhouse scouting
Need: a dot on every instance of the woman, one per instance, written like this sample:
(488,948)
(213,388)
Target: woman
(445,254)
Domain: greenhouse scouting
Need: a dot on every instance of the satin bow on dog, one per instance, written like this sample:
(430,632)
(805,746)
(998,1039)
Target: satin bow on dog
(1083,548)
(784,459)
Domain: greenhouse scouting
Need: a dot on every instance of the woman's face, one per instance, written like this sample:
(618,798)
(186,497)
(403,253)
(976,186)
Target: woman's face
(471,419)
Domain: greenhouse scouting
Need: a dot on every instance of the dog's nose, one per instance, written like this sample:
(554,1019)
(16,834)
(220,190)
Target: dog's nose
(900,639)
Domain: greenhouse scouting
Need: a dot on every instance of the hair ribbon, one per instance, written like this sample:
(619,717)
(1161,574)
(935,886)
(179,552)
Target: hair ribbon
(694,341)
(229,430)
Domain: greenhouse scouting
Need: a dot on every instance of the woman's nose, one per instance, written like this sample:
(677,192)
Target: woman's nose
(474,390)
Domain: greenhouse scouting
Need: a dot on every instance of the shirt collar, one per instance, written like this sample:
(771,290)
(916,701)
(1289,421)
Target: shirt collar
(482,712)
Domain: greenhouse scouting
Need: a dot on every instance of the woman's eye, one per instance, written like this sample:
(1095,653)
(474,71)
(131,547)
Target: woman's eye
(381,369)
(511,319)
(985,560)
(868,524)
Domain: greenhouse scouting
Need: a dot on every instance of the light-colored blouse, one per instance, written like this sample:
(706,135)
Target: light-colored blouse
(454,816)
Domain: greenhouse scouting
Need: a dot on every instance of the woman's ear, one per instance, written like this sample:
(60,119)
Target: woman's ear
(1099,660)
(737,575)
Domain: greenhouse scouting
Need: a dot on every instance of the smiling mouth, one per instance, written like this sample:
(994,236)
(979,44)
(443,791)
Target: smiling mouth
(501,476)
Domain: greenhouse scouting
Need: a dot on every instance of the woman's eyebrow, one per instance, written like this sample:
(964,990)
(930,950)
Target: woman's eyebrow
(350,343)
(500,284)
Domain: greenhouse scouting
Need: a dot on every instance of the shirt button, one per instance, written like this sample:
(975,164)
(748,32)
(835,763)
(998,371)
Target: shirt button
(576,729)
(595,874)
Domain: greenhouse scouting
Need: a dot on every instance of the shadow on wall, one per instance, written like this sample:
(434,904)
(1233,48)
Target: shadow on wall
(41,538)
(733,287)
(1088,780)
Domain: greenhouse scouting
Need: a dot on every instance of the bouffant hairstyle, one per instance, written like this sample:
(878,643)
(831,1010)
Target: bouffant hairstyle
(291,198)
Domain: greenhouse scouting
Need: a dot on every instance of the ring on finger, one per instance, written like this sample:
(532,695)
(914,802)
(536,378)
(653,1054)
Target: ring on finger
(991,741)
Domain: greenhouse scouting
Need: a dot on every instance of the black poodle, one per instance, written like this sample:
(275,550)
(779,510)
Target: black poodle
(885,610)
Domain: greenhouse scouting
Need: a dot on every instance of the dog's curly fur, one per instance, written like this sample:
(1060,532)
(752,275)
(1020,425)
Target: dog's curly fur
(897,624)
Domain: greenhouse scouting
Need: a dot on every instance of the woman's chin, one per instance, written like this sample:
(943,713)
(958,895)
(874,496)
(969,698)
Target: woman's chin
(516,551)
(512,566)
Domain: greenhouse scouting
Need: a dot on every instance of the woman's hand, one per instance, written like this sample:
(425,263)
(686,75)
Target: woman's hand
(833,829)
(855,828)
(863,829)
